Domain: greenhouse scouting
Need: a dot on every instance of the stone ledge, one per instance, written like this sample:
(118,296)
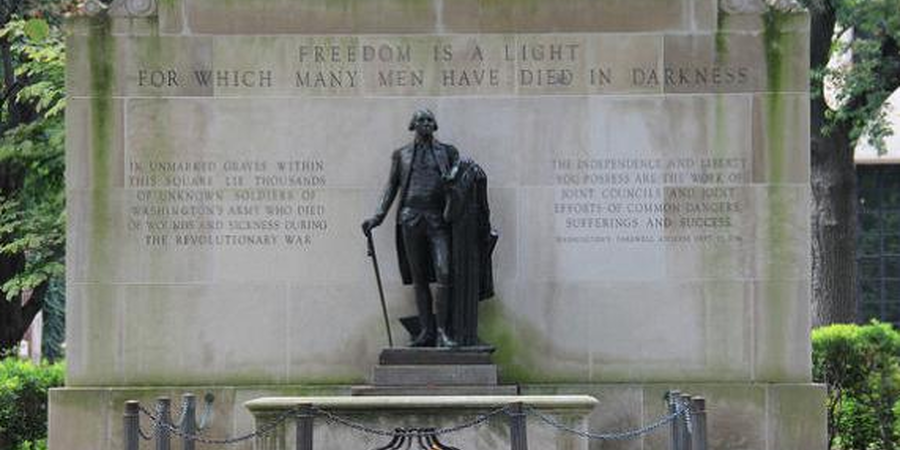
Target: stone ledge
(570,402)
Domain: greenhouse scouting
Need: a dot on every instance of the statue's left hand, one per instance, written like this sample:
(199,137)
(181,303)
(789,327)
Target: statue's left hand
(450,177)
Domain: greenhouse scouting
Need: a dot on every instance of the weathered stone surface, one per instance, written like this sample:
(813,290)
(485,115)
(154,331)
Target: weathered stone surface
(578,332)
(311,16)
(398,16)
(782,353)
(145,318)
(575,15)
(84,128)
(796,416)
(781,139)
(90,431)
(772,61)
(136,65)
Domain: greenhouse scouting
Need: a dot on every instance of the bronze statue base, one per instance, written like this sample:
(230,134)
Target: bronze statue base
(409,356)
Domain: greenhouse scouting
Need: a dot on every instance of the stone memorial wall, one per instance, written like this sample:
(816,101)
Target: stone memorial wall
(648,173)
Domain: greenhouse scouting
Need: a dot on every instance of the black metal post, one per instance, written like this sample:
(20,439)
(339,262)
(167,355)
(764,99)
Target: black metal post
(305,428)
(699,423)
(131,421)
(189,421)
(518,434)
(163,408)
(672,397)
(688,425)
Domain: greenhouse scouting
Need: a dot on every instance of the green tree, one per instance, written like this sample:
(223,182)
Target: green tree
(873,28)
(32,99)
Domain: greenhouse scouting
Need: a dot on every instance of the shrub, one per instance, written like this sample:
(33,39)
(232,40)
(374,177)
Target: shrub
(23,402)
(860,365)
(36,445)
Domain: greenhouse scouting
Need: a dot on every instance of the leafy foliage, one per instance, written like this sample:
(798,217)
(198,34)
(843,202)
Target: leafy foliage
(860,365)
(40,444)
(32,220)
(23,402)
(874,30)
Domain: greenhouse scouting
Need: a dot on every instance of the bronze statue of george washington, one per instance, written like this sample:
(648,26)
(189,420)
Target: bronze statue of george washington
(443,234)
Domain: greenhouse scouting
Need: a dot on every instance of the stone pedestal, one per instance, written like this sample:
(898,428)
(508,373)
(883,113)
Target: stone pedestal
(388,413)
(435,371)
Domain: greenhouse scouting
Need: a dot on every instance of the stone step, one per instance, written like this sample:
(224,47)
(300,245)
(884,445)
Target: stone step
(435,375)
(388,391)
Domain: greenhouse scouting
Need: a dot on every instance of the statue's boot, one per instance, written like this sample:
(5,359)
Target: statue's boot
(442,311)
(426,319)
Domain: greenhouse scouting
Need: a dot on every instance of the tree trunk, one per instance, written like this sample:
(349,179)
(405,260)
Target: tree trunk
(833,229)
(9,85)
(16,317)
(833,178)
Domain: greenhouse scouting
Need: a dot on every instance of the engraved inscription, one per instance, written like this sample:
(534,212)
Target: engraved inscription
(649,200)
(447,65)
(227,203)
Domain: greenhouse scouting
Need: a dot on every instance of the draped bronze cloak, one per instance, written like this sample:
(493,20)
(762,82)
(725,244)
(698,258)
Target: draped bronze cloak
(472,245)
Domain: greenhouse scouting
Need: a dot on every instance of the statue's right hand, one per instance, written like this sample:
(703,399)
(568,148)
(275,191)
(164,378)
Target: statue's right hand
(368,224)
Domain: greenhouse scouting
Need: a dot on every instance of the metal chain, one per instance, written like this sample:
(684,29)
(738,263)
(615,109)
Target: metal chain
(472,423)
(260,432)
(681,408)
(615,436)
(142,434)
(411,432)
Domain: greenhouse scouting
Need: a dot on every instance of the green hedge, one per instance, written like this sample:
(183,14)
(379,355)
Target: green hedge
(23,402)
(860,364)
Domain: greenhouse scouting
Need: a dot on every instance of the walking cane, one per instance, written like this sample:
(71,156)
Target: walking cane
(387,323)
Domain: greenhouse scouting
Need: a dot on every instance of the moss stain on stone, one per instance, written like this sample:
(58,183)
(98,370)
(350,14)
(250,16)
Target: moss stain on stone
(721,40)
(777,299)
(496,330)
(101,58)
(715,257)
(777,44)
(519,347)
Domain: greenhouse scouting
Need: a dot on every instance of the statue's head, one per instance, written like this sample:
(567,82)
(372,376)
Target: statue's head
(423,122)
